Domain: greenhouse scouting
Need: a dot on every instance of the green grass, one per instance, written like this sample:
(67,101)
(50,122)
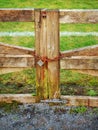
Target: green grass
(79,27)
(51,4)
(73,83)
(19,82)
(29,26)
(66,43)
(78,110)
(72,42)
(92,93)
(19,41)
(16,26)
(10,107)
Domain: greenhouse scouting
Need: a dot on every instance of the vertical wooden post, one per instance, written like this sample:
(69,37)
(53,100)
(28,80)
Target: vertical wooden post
(53,53)
(47,54)
(41,51)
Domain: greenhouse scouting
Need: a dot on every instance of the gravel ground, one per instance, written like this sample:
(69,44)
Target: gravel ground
(44,117)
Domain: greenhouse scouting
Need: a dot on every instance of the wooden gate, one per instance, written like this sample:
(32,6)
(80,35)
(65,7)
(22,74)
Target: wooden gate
(47,58)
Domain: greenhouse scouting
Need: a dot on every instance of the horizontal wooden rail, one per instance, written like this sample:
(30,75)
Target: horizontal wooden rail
(22,98)
(80,63)
(66,16)
(75,62)
(81,101)
(16,15)
(79,16)
(69,100)
(19,59)
(15,61)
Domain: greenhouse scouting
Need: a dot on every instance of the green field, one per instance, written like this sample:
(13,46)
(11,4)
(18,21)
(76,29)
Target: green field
(66,43)
(51,4)
(72,83)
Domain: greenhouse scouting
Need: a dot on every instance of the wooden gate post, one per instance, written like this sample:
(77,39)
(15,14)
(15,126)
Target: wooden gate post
(47,54)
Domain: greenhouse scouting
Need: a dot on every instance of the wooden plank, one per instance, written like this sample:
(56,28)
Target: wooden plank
(7,50)
(21,98)
(79,16)
(93,101)
(41,53)
(66,16)
(16,15)
(53,53)
(70,100)
(16,61)
(37,52)
(80,62)
(84,51)
(81,101)
(10,70)
(15,50)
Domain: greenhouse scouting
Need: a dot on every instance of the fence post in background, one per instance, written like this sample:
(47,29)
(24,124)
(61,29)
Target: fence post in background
(47,54)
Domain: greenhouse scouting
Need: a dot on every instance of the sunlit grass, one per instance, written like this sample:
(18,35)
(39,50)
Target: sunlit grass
(66,43)
(29,26)
(19,41)
(51,4)
(16,26)
(79,27)
(73,42)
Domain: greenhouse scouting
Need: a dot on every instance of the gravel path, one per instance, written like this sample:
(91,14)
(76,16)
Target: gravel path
(44,117)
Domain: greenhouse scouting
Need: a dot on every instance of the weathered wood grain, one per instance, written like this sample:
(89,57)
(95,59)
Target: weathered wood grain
(85,51)
(7,51)
(52,53)
(80,63)
(66,16)
(16,15)
(15,50)
(41,51)
(47,48)
(70,100)
(16,61)
(91,51)
(81,101)
(79,16)
(21,98)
